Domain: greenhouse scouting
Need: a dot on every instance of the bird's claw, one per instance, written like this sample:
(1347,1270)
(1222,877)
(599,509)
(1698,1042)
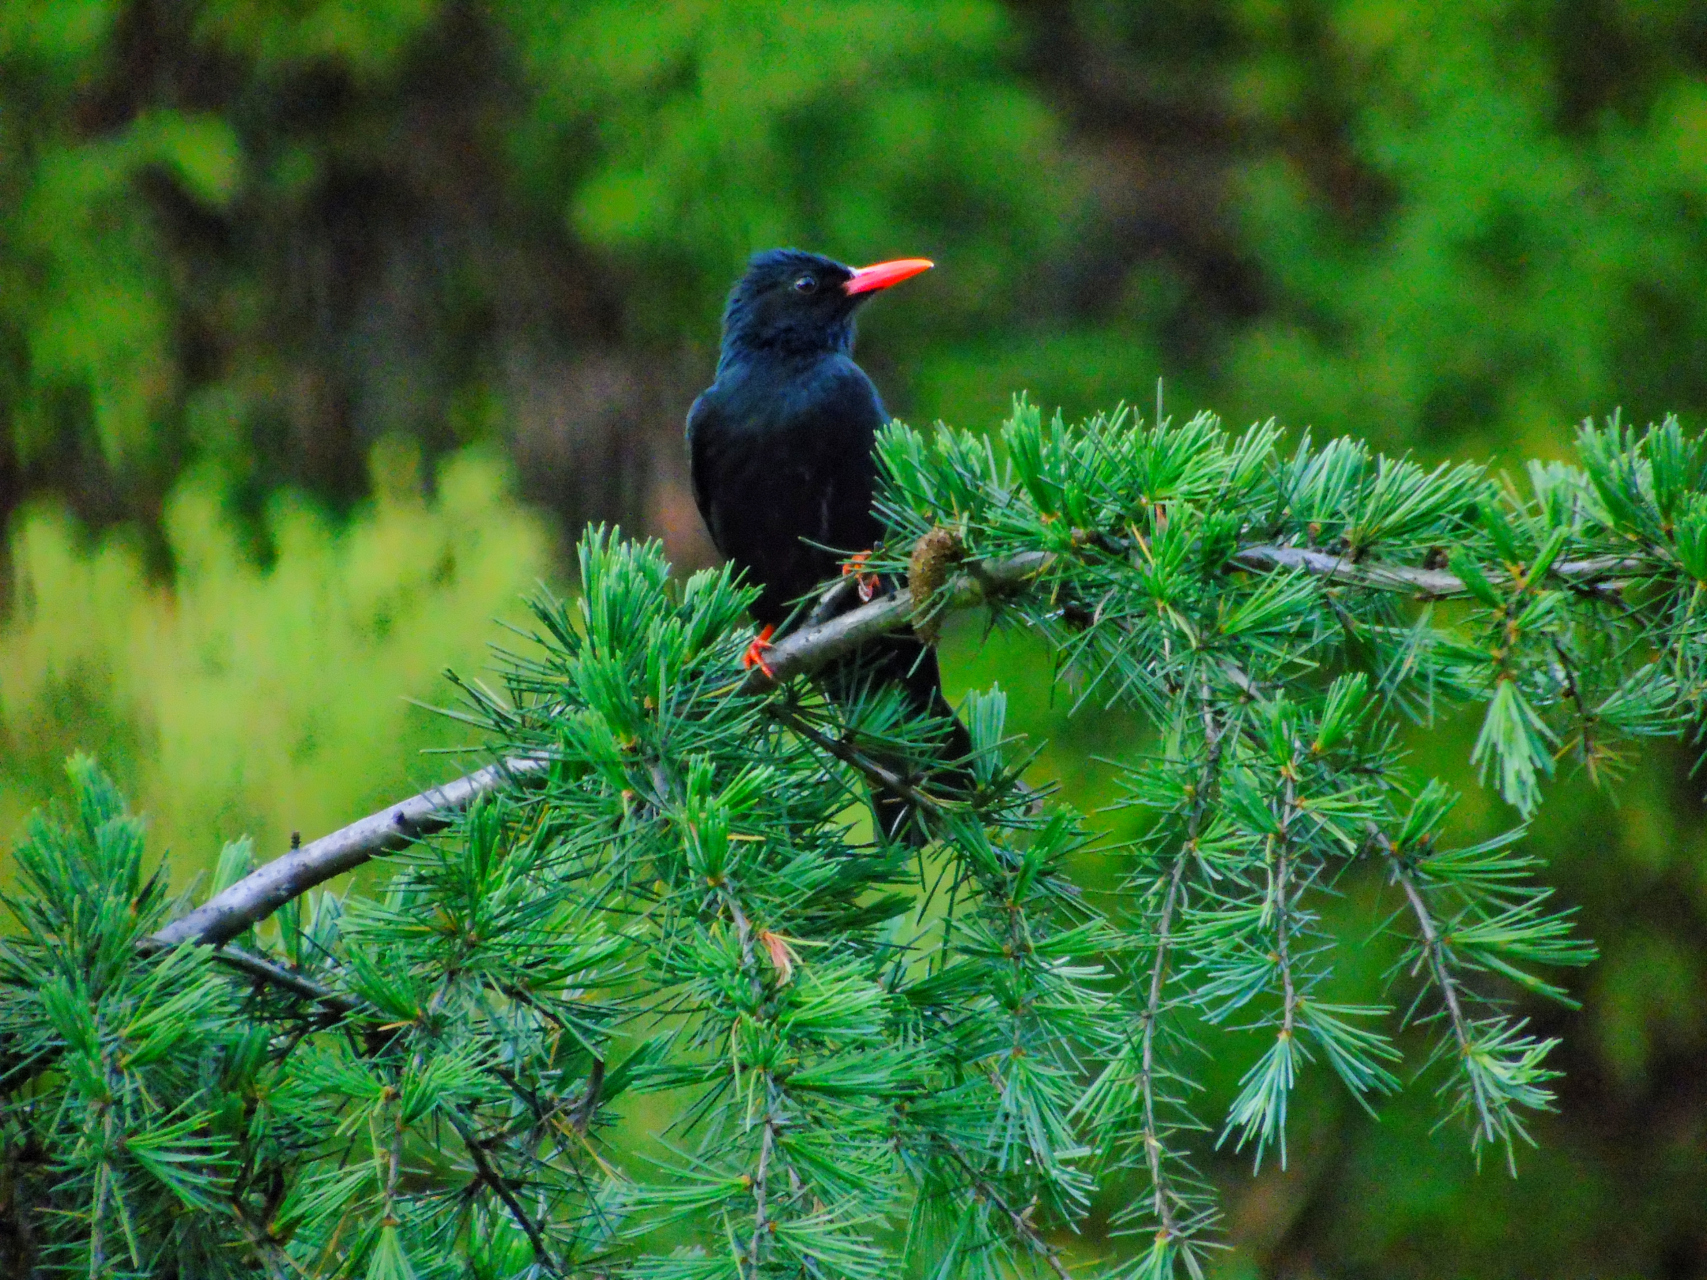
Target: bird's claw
(755,655)
(869,583)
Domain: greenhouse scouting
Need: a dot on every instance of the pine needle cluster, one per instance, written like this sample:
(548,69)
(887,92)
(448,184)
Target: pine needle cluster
(666,1008)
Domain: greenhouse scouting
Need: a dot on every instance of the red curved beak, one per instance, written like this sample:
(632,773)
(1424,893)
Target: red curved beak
(881,275)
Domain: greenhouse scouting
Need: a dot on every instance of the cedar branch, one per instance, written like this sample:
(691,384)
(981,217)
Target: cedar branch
(802,652)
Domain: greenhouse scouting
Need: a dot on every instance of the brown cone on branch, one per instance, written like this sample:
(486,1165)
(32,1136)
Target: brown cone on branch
(934,555)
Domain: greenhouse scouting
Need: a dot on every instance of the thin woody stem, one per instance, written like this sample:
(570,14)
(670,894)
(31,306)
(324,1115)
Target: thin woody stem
(1281,893)
(1021,1223)
(335,1004)
(1152,1138)
(1152,1012)
(487,1173)
(1283,905)
(874,772)
(761,1185)
(1434,952)
(1600,574)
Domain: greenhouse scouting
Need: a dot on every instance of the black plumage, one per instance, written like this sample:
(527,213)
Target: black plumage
(783,471)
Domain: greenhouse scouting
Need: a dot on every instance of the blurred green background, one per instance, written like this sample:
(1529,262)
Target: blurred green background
(326,324)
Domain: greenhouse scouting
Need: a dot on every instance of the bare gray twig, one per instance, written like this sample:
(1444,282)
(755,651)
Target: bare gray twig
(1432,583)
(260,893)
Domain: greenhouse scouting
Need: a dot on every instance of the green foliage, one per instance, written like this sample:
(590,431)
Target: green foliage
(176,290)
(122,1079)
(213,696)
(1486,222)
(688,870)
(869,127)
(1272,777)
(874,1059)
(1476,222)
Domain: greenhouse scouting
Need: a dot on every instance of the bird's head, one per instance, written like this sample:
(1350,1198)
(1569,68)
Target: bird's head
(795,302)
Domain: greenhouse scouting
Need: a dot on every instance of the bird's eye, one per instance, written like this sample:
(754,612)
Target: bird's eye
(806,284)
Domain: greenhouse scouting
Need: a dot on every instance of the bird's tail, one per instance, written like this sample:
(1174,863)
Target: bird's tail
(904,663)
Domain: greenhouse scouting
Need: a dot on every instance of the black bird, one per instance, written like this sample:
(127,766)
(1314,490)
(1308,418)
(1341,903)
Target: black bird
(781,448)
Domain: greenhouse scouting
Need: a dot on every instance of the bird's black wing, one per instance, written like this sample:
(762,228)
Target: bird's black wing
(846,466)
(703,431)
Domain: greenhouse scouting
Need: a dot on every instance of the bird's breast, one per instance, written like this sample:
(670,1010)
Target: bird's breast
(782,463)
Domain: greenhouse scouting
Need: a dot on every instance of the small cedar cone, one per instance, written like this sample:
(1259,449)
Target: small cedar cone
(933,554)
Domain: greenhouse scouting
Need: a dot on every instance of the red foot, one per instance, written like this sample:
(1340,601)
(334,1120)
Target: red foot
(868,582)
(755,655)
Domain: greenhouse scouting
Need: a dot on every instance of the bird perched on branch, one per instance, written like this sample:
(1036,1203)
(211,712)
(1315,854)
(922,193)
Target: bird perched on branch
(783,471)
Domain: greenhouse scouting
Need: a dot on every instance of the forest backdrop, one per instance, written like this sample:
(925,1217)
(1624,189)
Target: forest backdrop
(325,326)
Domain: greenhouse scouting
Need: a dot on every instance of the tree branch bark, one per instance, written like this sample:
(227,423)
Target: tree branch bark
(256,896)
(260,893)
(817,644)
(814,645)
(1430,583)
